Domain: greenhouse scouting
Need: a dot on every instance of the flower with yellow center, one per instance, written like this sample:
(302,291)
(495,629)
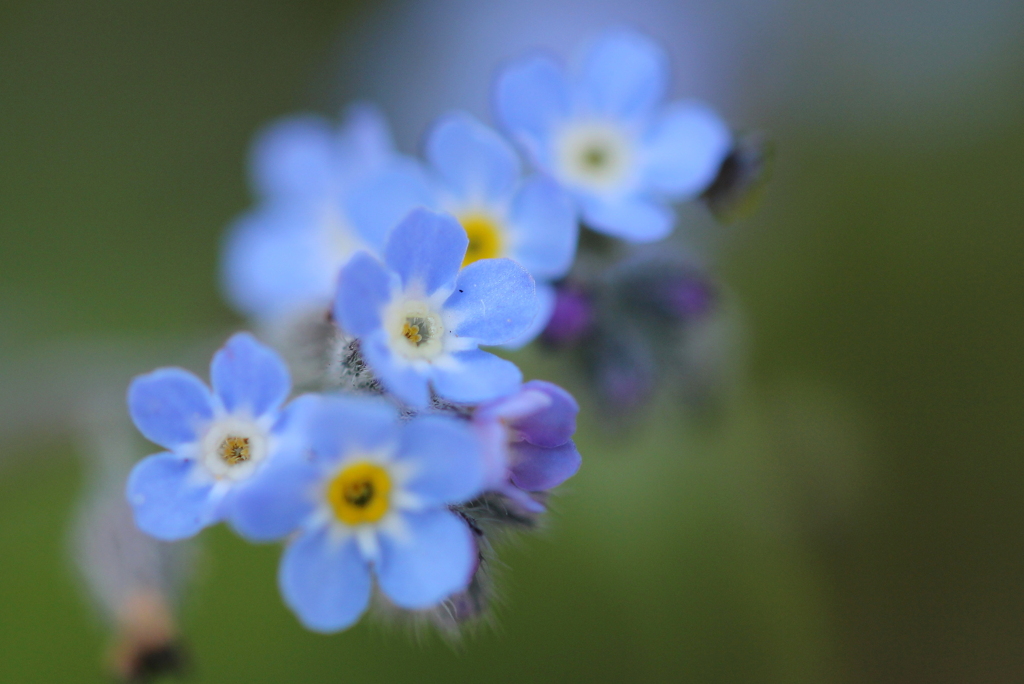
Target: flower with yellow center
(474,174)
(367,505)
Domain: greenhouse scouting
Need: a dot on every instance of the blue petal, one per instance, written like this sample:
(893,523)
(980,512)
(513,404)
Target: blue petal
(291,431)
(537,469)
(546,229)
(530,97)
(340,424)
(476,376)
(278,261)
(685,148)
(633,219)
(377,205)
(435,560)
(625,74)
(326,583)
(402,380)
(294,157)
(168,503)
(494,301)
(546,298)
(169,405)
(364,142)
(364,288)
(426,250)
(249,377)
(275,502)
(475,162)
(446,455)
(553,425)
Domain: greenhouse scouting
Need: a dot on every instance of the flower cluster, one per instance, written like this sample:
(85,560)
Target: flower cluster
(377,483)
(411,444)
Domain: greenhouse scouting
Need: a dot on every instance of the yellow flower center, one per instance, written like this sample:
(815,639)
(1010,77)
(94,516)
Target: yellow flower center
(416,330)
(234,450)
(484,235)
(359,494)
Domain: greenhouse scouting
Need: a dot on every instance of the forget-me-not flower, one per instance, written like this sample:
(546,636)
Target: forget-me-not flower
(474,174)
(605,135)
(217,442)
(527,438)
(420,316)
(369,497)
(283,258)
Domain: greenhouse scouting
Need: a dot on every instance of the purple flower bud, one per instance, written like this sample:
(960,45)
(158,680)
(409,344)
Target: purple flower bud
(572,318)
(528,441)
(625,387)
(624,370)
(689,296)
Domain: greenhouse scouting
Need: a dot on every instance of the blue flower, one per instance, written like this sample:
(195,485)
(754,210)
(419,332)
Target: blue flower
(420,319)
(370,497)
(607,138)
(527,438)
(282,259)
(217,443)
(474,174)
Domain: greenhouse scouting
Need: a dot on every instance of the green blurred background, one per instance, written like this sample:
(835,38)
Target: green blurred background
(853,513)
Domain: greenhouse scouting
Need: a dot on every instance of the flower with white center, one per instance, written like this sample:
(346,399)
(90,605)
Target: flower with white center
(527,438)
(369,498)
(281,260)
(474,174)
(420,317)
(605,135)
(217,442)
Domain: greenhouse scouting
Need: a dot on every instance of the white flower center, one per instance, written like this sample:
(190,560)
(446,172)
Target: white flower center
(595,155)
(233,448)
(415,329)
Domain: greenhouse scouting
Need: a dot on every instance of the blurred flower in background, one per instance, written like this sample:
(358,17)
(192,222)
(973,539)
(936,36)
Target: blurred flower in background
(605,135)
(282,259)
(136,581)
(708,46)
